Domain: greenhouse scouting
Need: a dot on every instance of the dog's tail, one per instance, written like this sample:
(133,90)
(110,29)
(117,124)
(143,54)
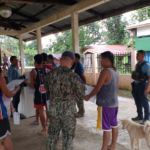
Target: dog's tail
(147,127)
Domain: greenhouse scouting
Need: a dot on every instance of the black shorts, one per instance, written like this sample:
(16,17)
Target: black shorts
(4,128)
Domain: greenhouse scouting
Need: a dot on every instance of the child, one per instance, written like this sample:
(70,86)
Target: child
(107,100)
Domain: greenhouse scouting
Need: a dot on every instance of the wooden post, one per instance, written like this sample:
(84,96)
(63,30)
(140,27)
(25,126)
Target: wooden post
(133,59)
(39,43)
(21,54)
(75,32)
(94,67)
(0,56)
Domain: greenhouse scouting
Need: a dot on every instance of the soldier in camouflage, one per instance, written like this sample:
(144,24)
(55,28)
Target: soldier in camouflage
(64,86)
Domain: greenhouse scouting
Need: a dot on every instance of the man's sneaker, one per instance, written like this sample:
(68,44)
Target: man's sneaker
(143,122)
(137,119)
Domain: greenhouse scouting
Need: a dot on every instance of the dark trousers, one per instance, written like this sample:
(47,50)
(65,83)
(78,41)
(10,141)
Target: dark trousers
(16,100)
(141,100)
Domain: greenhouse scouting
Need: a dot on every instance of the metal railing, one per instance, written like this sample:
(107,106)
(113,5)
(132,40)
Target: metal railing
(87,63)
(122,63)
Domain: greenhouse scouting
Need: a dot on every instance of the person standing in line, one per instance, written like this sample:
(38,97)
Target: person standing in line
(48,68)
(107,100)
(5,60)
(13,74)
(141,87)
(40,95)
(44,62)
(51,61)
(4,122)
(62,84)
(79,69)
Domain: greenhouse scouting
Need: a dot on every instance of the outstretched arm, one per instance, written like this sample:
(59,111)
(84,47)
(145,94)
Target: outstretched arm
(31,84)
(5,90)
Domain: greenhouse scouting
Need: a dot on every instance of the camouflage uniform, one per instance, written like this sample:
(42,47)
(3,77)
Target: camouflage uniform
(63,84)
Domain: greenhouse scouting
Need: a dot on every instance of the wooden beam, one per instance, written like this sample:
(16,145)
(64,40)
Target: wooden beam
(116,12)
(21,54)
(39,42)
(79,7)
(106,15)
(10,26)
(6,32)
(56,2)
(75,32)
(16,20)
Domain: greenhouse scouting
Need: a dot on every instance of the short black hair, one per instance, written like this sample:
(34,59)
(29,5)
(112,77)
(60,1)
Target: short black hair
(38,59)
(77,55)
(142,52)
(44,57)
(50,57)
(12,58)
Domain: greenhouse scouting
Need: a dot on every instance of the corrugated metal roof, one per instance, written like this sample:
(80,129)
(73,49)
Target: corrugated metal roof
(103,48)
(38,11)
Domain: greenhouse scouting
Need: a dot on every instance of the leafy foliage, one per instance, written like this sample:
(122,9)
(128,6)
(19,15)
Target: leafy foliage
(115,33)
(140,15)
(88,34)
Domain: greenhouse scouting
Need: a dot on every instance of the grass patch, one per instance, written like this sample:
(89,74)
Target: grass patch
(128,94)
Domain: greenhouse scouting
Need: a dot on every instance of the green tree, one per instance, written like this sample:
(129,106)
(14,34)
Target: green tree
(115,33)
(140,15)
(88,34)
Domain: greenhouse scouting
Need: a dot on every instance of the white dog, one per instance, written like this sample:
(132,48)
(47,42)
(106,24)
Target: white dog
(137,131)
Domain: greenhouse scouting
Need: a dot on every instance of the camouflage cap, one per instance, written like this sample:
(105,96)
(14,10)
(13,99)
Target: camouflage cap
(69,54)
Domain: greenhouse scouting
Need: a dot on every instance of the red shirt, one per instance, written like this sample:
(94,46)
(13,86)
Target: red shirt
(4,68)
(45,65)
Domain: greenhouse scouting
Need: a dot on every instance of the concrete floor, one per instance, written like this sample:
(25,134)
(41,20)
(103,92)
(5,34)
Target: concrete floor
(25,137)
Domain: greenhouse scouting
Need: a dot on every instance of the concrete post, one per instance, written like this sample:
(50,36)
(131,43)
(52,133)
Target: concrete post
(94,67)
(75,32)
(133,59)
(21,54)
(39,42)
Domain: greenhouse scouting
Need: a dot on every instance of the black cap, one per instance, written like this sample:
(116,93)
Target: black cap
(69,54)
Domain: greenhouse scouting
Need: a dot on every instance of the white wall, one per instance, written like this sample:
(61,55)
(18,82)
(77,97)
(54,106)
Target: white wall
(143,31)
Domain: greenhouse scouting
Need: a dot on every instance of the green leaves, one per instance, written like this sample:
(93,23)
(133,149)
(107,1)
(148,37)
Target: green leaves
(88,34)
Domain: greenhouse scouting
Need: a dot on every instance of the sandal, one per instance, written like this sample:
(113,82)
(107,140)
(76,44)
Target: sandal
(79,115)
(34,123)
(42,133)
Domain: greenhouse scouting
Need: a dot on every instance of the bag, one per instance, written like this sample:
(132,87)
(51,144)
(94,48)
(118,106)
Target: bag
(138,74)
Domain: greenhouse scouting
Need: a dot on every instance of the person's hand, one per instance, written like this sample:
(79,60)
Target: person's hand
(26,81)
(87,98)
(13,109)
(146,91)
(17,88)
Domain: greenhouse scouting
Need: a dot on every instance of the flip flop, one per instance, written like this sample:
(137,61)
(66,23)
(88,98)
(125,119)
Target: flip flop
(35,123)
(79,115)
(41,133)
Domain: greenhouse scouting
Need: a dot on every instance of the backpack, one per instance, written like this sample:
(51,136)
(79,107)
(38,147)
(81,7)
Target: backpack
(138,74)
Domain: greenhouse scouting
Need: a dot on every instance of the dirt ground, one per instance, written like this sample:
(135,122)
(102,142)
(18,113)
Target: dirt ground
(25,137)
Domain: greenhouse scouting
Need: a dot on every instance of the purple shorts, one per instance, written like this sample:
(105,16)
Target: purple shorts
(107,118)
